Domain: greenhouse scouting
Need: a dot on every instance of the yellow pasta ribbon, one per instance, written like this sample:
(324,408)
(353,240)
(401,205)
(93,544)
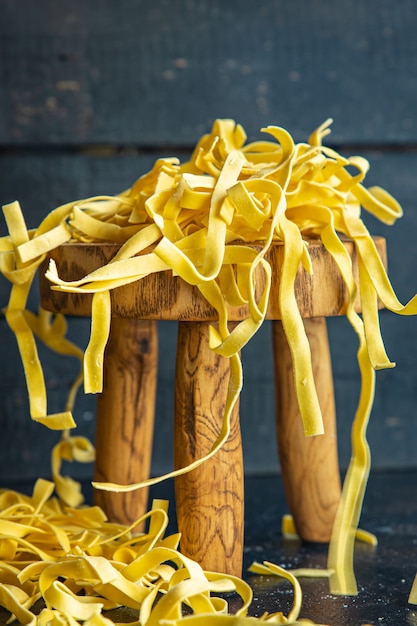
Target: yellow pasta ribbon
(52,332)
(43,243)
(412,598)
(70,449)
(21,271)
(94,353)
(233,392)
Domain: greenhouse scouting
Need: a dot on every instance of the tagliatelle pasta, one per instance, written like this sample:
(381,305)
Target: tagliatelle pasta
(413,593)
(81,566)
(195,219)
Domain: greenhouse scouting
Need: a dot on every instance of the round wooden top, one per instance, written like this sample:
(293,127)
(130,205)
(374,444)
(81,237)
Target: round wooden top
(162,296)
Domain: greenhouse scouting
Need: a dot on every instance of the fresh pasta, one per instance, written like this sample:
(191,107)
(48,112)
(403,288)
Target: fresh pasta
(196,219)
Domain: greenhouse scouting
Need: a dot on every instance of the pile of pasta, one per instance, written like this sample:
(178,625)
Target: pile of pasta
(83,567)
(193,219)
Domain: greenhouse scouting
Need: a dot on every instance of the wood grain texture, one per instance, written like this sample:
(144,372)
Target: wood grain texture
(149,73)
(161,296)
(209,499)
(309,465)
(125,417)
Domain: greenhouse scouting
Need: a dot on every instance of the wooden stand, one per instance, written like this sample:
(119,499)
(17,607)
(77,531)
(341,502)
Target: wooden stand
(210,498)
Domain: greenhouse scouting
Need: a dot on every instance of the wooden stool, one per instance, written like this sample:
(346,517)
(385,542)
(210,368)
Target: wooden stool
(209,499)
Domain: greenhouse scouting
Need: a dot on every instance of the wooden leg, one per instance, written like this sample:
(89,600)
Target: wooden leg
(209,499)
(125,416)
(309,465)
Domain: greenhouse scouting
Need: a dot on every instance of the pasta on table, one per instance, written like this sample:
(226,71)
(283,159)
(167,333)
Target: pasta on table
(194,219)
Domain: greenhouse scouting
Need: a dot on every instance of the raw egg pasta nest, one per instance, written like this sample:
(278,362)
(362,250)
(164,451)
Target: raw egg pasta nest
(193,219)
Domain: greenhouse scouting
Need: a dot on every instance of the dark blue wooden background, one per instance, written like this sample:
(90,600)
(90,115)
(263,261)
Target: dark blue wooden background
(92,92)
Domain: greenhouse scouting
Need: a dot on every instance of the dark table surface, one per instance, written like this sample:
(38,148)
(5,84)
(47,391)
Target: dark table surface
(384,574)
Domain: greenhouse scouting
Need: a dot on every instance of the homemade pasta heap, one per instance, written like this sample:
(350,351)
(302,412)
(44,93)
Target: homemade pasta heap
(195,219)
